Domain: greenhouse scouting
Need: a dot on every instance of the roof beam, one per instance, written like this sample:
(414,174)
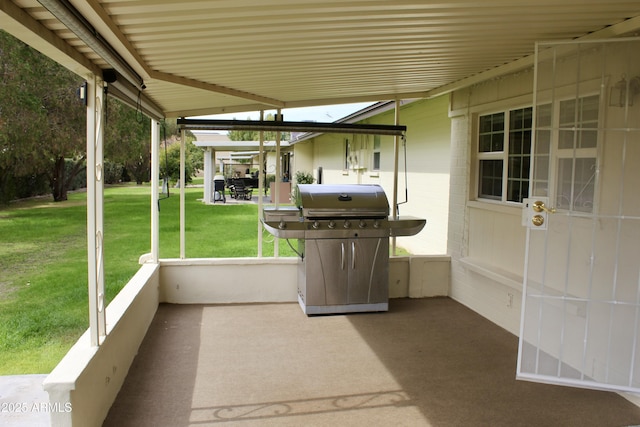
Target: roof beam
(104,21)
(24,27)
(71,18)
(183,81)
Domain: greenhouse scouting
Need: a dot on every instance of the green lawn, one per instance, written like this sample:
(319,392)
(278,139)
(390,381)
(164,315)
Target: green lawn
(43,262)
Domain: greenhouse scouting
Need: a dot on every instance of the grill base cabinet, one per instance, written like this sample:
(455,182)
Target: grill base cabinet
(343,240)
(344,275)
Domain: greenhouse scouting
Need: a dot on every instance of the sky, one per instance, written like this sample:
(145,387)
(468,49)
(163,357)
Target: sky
(322,113)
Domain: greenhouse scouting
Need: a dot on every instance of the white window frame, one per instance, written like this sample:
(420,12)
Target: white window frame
(498,155)
(346,160)
(377,139)
(557,154)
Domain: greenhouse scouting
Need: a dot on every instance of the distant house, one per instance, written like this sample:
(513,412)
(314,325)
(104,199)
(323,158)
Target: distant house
(424,163)
(235,158)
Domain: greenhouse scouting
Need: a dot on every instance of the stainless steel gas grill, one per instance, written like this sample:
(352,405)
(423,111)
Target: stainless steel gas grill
(343,242)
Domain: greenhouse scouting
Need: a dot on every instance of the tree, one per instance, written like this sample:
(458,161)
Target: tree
(194,159)
(65,122)
(127,139)
(42,122)
(43,128)
(254,135)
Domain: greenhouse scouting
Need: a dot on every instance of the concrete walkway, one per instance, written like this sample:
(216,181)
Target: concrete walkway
(23,401)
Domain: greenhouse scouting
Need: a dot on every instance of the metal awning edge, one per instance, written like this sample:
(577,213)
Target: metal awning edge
(284,126)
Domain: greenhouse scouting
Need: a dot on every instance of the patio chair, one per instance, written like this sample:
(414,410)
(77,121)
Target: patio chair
(241,191)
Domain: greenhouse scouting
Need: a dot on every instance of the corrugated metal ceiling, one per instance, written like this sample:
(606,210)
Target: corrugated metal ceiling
(202,56)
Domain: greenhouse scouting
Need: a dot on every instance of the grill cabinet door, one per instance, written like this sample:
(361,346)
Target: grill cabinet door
(368,270)
(326,272)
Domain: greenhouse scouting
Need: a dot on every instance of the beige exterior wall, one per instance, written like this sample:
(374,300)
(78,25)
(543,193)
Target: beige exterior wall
(260,280)
(428,161)
(302,160)
(486,240)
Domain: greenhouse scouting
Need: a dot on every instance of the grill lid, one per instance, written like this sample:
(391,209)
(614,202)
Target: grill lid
(343,200)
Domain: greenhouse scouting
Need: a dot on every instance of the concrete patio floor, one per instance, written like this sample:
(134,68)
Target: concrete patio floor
(426,362)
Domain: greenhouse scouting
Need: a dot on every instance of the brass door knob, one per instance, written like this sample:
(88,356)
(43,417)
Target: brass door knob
(537,220)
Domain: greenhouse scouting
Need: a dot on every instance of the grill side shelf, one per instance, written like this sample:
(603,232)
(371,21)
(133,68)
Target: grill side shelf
(285,229)
(406,226)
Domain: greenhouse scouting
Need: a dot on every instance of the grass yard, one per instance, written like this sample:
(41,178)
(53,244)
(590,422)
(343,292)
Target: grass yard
(43,262)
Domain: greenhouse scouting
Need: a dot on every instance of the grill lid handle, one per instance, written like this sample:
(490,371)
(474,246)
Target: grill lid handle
(344,197)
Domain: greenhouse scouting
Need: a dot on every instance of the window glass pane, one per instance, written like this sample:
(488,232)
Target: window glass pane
(576,184)
(376,153)
(565,139)
(484,145)
(497,142)
(563,187)
(498,122)
(490,179)
(542,149)
(519,154)
(376,161)
(520,119)
(568,113)
(543,142)
(584,184)
(491,135)
(544,116)
(588,139)
(579,116)
(517,142)
(347,153)
(517,190)
(589,109)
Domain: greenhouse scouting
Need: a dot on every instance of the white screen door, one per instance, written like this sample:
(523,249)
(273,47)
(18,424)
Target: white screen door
(581,301)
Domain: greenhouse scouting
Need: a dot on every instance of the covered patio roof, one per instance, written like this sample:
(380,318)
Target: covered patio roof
(200,57)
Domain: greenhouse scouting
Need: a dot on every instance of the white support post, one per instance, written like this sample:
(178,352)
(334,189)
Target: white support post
(95,210)
(276,187)
(155,194)
(183,181)
(209,172)
(396,155)
(260,186)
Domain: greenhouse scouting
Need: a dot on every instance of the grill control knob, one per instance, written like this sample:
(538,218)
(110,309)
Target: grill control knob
(347,224)
(282,225)
(315,225)
(376,224)
(362,223)
(332,224)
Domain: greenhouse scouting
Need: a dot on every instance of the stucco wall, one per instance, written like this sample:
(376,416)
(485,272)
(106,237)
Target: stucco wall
(486,240)
(260,280)
(89,378)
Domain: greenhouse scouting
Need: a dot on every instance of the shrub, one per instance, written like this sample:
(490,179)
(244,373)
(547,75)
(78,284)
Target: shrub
(304,178)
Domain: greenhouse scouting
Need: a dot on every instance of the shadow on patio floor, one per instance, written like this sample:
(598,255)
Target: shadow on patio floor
(427,362)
